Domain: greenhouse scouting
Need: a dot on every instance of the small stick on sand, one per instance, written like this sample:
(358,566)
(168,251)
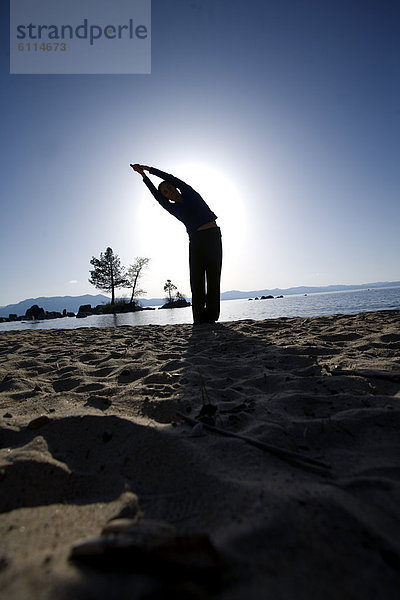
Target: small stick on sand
(288,455)
(369,373)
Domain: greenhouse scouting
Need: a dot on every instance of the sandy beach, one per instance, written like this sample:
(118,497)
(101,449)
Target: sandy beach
(253,459)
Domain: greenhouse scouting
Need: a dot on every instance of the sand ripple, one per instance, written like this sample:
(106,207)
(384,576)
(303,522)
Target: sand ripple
(113,444)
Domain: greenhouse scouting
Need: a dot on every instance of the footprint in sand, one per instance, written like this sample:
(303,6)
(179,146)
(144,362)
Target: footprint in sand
(130,374)
(103,372)
(91,357)
(66,384)
(162,377)
(160,390)
(14,384)
(90,387)
(66,370)
(390,337)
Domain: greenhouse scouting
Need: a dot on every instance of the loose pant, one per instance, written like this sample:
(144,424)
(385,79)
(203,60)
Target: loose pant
(205,261)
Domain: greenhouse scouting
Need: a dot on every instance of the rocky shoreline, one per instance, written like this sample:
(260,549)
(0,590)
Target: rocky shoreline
(37,313)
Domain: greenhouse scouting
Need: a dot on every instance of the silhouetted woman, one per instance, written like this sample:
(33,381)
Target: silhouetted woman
(205,247)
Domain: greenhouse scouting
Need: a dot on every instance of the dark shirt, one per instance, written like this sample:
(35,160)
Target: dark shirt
(192,211)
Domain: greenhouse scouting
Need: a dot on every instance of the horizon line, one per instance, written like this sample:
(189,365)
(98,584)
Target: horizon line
(371,283)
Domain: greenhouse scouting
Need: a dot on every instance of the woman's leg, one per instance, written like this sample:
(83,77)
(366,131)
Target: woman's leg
(213,253)
(197,278)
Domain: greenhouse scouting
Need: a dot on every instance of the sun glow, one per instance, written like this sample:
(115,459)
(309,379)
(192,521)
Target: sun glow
(166,238)
(224,198)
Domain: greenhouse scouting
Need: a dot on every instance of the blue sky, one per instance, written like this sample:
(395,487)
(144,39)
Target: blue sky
(283,115)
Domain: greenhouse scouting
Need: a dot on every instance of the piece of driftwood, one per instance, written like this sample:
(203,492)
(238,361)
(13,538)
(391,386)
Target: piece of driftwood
(288,455)
(369,374)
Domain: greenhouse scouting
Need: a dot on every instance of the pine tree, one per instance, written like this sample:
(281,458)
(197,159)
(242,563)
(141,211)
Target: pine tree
(108,274)
(169,287)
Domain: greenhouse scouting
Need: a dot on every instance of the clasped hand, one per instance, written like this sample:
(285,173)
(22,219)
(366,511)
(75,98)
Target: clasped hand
(140,168)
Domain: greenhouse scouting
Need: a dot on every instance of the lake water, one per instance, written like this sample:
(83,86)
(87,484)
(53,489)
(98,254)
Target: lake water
(312,305)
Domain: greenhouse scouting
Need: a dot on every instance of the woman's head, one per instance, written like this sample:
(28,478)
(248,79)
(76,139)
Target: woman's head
(169,191)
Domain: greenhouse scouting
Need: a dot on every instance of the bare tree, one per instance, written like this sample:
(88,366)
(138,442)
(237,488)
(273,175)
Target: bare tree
(134,273)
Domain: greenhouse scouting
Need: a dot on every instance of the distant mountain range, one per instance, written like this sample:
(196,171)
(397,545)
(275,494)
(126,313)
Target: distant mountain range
(72,303)
(236,294)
